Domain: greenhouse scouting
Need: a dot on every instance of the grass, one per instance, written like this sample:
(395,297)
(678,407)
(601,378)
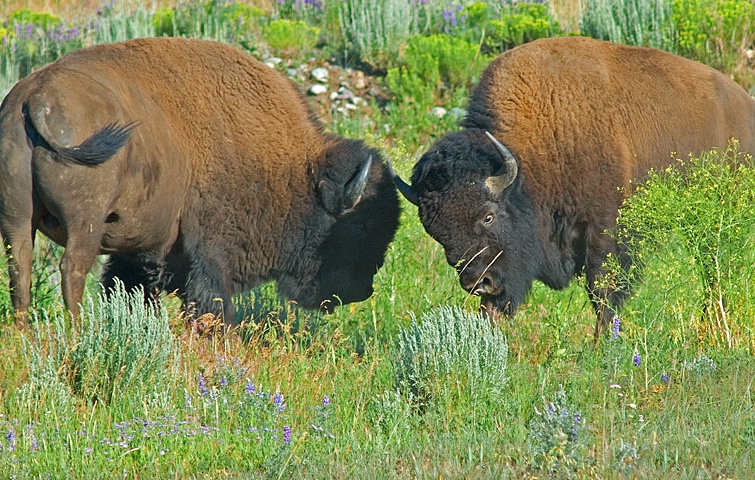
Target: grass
(320,396)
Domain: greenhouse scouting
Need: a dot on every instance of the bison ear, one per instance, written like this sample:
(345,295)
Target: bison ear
(337,198)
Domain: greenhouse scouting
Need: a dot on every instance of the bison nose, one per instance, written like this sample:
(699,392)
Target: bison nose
(478,284)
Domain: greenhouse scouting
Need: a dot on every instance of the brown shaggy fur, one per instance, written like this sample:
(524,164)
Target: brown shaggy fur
(584,119)
(223,177)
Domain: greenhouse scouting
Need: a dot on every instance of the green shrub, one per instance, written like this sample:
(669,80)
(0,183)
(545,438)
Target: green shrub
(290,38)
(522,23)
(646,23)
(452,352)
(717,32)
(119,345)
(690,228)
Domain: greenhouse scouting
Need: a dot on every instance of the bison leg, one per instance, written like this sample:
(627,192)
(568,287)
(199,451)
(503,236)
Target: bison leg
(19,245)
(606,295)
(78,258)
(16,209)
(207,292)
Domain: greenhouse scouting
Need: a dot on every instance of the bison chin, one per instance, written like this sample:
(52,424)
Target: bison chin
(497,306)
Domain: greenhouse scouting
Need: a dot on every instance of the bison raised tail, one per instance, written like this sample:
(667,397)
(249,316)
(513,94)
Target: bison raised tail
(95,150)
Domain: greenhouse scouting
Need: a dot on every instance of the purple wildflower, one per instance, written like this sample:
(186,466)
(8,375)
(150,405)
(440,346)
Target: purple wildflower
(636,359)
(223,382)
(287,434)
(664,377)
(577,423)
(202,384)
(616,326)
(278,401)
(325,401)
(11,437)
(250,388)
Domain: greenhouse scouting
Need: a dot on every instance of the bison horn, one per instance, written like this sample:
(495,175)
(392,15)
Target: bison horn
(353,191)
(505,175)
(406,190)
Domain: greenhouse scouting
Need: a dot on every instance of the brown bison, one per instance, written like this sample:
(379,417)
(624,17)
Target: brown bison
(197,169)
(556,132)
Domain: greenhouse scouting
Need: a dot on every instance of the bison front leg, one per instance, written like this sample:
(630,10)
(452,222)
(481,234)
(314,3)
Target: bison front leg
(606,287)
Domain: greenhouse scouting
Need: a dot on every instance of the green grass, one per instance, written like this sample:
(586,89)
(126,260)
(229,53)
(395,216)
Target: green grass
(664,398)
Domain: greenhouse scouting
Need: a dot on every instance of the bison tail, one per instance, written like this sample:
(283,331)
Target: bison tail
(101,146)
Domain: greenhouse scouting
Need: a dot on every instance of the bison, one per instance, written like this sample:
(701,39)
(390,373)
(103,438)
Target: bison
(197,169)
(556,133)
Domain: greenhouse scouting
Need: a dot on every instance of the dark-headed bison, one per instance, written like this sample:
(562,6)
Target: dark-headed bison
(198,169)
(556,131)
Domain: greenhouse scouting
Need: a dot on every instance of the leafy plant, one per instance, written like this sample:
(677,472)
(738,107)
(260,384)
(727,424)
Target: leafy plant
(520,23)
(290,38)
(646,23)
(717,32)
(692,223)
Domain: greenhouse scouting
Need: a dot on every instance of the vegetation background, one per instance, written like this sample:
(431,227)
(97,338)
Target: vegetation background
(410,383)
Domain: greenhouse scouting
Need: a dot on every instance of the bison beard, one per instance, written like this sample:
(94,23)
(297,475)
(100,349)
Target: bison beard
(206,180)
(557,134)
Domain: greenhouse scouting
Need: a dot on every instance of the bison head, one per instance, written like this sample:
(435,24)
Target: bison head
(472,201)
(354,219)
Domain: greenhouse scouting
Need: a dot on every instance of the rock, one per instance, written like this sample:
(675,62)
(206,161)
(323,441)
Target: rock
(318,89)
(458,113)
(439,112)
(320,74)
(344,94)
(272,61)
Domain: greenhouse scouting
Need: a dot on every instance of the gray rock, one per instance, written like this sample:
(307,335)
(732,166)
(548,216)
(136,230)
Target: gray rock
(318,89)
(439,112)
(320,74)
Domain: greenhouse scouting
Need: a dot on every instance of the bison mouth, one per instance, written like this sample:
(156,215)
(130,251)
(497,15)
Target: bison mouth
(495,306)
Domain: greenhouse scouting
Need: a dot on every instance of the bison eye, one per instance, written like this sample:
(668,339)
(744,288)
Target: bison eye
(488,219)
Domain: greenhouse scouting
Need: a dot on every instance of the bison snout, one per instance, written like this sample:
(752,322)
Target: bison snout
(479,284)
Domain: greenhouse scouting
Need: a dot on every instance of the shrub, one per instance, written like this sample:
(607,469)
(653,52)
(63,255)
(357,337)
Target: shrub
(290,38)
(519,24)
(719,33)
(451,350)
(646,23)
(119,345)
(375,30)
(691,228)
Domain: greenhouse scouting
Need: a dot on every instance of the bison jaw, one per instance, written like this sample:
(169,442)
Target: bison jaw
(496,305)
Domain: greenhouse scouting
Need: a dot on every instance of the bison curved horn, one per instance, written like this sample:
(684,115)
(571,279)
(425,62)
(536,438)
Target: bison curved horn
(353,190)
(505,176)
(406,190)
